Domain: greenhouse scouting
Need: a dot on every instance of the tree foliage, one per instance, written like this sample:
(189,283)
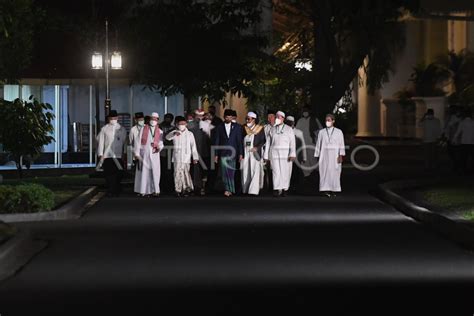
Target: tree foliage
(25,127)
(196,47)
(18,21)
(341,36)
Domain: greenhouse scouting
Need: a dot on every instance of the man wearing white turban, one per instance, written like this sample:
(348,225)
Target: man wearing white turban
(280,151)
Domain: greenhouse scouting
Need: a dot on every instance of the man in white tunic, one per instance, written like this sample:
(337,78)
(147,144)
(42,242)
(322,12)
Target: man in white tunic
(330,149)
(280,151)
(252,164)
(184,149)
(147,150)
(111,149)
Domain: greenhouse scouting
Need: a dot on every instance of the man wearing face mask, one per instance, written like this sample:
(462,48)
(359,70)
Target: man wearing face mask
(184,150)
(330,149)
(280,150)
(147,150)
(111,150)
(310,126)
(431,134)
(201,130)
(229,142)
(252,167)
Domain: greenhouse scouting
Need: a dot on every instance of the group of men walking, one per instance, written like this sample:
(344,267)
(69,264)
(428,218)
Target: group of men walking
(246,157)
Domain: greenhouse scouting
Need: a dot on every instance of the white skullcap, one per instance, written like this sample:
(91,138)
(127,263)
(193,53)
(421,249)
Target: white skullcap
(252,115)
(290,118)
(154,114)
(199,112)
(280,113)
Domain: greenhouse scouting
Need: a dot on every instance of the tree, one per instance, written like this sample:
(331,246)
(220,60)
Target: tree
(344,36)
(195,47)
(25,127)
(18,22)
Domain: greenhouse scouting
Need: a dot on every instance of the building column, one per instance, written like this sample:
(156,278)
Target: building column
(368,108)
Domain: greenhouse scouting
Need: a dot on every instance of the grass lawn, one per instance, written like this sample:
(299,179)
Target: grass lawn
(64,187)
(454,197)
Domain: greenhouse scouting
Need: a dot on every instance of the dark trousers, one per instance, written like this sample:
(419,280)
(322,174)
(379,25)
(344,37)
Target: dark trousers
(113,173)
(167,175)
(268,180)
(467,158)
(200,172)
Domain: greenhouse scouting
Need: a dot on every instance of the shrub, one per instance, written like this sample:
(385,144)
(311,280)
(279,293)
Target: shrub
(25,198)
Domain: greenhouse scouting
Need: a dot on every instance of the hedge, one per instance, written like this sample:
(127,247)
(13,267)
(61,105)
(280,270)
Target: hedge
(25,198)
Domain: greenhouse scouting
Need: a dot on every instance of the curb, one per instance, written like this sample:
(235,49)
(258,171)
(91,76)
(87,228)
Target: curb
(17,251)
(71,210)
(458,232)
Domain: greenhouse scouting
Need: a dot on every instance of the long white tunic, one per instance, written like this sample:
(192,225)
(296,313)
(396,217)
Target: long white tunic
(184,148)
(132,137)
(329,147)
(111,141)
(251,168)
(280,145)
(149,180)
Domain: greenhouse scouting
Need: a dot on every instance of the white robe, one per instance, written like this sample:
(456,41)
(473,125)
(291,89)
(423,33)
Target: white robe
(329,147)
(149,180)
(184,148)
(279,147)
(251,169)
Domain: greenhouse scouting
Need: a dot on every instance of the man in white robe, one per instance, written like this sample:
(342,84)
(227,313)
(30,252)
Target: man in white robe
(280,151)
(330,149)
(147,150)
(111,150)
(252,164)
(184,149)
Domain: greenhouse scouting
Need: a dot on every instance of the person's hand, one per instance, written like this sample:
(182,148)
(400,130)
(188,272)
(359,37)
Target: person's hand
(253,149)
(101,158)
(291,158)
(241,158)
(216,159)
(266,161)
(195,162)
(340,159)
(137,158)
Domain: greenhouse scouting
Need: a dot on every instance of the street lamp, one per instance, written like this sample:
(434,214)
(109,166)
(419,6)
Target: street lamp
(112,61)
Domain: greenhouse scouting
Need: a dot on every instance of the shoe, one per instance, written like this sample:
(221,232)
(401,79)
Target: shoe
(178,194)
(276,193)
(284,193)
(327,194)
(333,194)
(155,195)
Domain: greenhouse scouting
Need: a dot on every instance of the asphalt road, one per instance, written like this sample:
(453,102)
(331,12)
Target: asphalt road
(234,255)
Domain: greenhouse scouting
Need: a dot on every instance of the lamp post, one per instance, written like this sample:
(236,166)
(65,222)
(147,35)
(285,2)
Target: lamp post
(112,61)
